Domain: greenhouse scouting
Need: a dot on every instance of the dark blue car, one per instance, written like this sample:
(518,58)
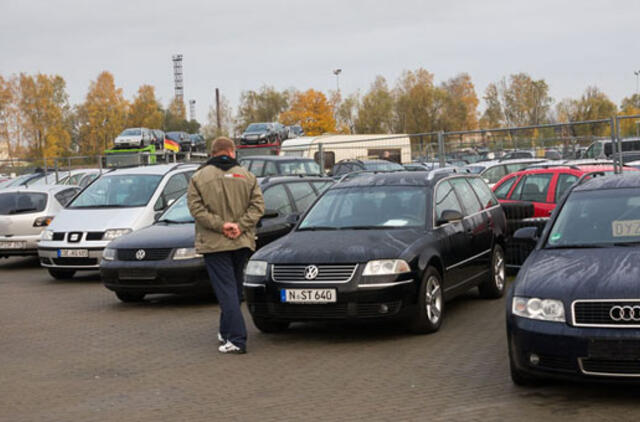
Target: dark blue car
(574,309)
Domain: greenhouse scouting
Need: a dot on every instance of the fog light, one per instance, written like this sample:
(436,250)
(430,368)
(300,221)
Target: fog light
(534,359)
(383,309)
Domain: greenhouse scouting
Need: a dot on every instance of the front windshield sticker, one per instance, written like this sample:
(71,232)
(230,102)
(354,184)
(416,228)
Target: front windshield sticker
(555,237)
(395,223)
(625,228)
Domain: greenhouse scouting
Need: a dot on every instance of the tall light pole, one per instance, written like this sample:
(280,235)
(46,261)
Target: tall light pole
(337,72)
(637,73)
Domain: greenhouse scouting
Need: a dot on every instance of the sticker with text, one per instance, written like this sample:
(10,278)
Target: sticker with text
(624,228)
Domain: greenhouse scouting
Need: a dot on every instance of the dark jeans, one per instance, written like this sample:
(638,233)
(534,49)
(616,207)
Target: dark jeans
(226,271)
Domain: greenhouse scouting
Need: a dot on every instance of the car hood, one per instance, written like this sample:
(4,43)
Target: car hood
(263,132)
(339,246)
(129,138)
(569,274)
(160,235)
(84,220)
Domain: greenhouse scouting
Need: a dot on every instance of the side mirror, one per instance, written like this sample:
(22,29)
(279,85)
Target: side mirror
(527,234)
(449,216)
(270,214)
(293,218)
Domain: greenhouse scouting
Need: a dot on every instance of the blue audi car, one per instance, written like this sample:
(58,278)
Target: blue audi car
(574,309)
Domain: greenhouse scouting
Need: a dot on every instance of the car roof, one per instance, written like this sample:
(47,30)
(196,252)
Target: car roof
(159,169)
(396,178)
(615,181)
(271,180)
(38,189)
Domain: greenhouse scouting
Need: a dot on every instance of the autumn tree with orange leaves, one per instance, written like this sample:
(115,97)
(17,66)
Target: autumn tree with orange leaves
(312,111)
(145,111)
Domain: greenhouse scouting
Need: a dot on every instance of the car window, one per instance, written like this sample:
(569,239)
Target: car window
(321,186)
(512,168)
(257,167)
(446,199)
(340,169)
(175,187)
(564,182)
(64,196)
(245,163)
(466,195)
(483,192)
(270,169)
(494,174)
(502,191)
(303,195)
(74,180)
(277,199)
(12,203)
(533,188)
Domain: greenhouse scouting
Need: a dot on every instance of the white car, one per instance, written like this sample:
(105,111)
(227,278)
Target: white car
(137,137)
(117,203)
(25,212)
(493,171)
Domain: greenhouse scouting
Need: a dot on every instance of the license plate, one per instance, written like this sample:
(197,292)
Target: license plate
(13,245)
(308,295)
(73,253)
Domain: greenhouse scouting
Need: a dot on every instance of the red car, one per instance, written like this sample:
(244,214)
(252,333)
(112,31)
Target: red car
(544,187)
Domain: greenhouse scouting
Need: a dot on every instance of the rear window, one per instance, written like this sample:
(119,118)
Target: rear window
(22,202)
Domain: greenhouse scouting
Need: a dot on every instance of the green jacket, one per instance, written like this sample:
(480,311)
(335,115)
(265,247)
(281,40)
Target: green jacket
(215,197)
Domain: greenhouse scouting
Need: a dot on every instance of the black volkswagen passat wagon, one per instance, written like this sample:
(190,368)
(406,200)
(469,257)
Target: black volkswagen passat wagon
(162,258)
(385,245)
(574,309)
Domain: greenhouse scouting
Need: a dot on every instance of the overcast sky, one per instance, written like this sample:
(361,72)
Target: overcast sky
(239,45)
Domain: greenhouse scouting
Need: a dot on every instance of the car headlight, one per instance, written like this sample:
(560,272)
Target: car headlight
(109,254)
(42,221)
(262,135)
(115,233)
(47,235)
(256,268)
(386,267)
(541,309)
(186,253)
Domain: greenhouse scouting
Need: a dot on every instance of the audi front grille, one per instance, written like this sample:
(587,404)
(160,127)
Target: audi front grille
(338,273)
(618,313)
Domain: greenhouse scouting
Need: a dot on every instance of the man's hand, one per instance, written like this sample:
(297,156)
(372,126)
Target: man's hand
(231,230)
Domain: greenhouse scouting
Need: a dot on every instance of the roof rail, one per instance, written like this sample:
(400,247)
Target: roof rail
(178,165)
(360,172)
(591,174)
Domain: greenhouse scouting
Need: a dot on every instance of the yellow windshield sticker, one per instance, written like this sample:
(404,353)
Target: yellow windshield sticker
(626,228)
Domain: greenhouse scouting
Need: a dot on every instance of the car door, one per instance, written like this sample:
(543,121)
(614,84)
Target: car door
(477,229)
(257,167)
(453,242)
(272,226)
(536,188)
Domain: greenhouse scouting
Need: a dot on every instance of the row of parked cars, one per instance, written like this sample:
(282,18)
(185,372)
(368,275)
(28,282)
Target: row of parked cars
(378,244)
(269,133)
(141,137)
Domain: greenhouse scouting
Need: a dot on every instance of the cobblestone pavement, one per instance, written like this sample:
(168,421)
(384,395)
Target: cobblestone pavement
(70,351)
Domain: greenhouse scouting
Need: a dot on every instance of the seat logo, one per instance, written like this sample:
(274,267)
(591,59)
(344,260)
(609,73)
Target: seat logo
(140,254)
(625,313)
(311,272)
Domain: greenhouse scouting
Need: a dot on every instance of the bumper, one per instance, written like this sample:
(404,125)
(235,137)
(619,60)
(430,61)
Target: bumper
(50,258)
(563,351)
(387,300)
(167,276)
(30,246)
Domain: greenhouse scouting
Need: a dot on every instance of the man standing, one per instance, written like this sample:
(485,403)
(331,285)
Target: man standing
(226,202)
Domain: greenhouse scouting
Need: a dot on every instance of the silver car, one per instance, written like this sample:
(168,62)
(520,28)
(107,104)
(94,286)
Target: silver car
(118,203)
(26,212)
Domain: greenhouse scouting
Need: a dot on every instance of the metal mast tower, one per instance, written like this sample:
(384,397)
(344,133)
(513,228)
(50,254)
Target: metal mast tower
(177,76)
(192,109)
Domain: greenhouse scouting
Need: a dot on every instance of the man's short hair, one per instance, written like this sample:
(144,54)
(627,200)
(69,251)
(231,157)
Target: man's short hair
(222,144)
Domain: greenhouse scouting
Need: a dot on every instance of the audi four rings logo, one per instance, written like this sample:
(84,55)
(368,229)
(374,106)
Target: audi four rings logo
(311,272)
(625,313)
(140,254)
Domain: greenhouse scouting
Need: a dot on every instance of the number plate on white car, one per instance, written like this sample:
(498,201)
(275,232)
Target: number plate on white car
(13,245)
(308,295)
(73,253)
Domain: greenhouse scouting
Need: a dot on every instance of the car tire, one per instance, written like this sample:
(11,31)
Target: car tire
(127,297)
(430,307)
(61,274)
(494,286)
(270,325)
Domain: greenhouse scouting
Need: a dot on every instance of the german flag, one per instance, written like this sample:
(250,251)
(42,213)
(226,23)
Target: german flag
(171,145)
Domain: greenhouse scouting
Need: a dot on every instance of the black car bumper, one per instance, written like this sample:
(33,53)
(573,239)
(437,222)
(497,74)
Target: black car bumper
(558,350)
(167,276)
(387,300)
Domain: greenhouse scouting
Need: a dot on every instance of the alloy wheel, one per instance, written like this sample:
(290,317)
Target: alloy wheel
(433,300)
(498,269)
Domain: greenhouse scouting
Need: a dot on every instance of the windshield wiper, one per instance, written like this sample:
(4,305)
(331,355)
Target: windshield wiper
(21,210)
(581,246)
(314,228)
(169,221)
(104,206)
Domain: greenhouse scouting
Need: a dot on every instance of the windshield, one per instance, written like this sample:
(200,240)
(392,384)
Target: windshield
(22,202)
(299,167)
(383,166)
(178,212)
(126,190)
(368,207)
(175,136)
(256,127)
(130,132)
(603,217)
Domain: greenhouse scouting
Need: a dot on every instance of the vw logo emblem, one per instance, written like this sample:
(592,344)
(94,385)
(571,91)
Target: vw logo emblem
(625,313)
(140,254)
(311,272)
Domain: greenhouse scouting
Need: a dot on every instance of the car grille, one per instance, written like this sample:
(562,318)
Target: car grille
(95,235)
(58,236)
(326,273)
(324,311)
(155,254)
(597,313)
(75,261)
(611,367)
(137,274)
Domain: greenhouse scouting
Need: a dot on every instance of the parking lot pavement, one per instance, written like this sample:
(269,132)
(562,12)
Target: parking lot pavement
(69,351)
